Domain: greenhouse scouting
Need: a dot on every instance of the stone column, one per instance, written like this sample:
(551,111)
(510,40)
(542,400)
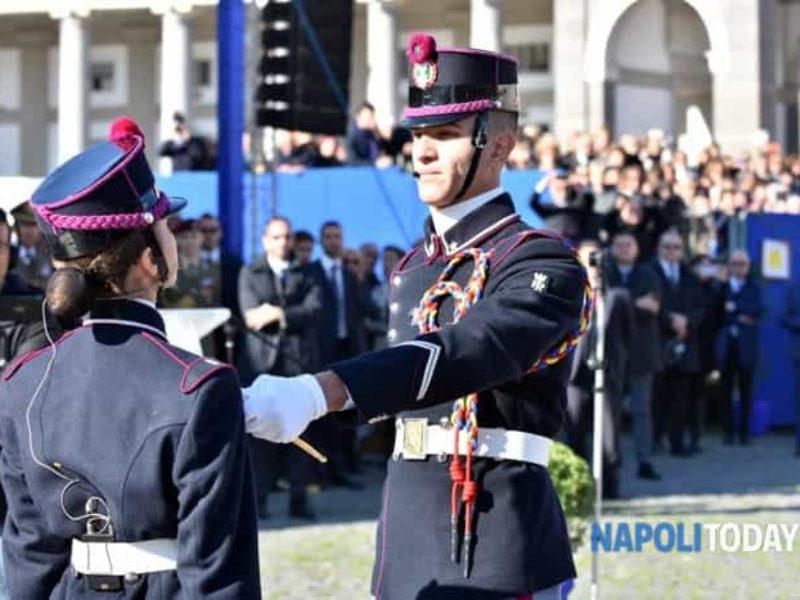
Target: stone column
(737,81)
(73,78)
(382,54)
(570,24)
(597,105)
(486,25)
(176,62)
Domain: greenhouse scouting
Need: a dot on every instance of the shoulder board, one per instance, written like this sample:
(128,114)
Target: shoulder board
(18,362)
(514,242)
(198,372)
(196,369)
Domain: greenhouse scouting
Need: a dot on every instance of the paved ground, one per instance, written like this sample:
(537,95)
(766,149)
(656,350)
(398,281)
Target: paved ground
(755,484)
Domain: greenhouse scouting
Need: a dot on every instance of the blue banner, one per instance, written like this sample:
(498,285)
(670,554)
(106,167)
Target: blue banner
(373,205)
(773,400)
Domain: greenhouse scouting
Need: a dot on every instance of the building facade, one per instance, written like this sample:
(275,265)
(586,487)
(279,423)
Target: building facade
(67,67)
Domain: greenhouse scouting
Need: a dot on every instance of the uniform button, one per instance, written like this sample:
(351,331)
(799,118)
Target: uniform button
(392,335)
(132,577)
(397,280)
(394,307)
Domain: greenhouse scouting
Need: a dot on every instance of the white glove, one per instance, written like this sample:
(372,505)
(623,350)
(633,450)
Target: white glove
(279,409)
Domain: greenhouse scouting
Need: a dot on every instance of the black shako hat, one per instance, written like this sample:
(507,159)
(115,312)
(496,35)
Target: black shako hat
(108,189)
(448,84)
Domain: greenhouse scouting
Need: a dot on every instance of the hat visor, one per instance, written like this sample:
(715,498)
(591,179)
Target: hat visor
(433,120)
(175,204)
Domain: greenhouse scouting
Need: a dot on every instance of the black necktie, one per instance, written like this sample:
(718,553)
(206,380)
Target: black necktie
(280,283)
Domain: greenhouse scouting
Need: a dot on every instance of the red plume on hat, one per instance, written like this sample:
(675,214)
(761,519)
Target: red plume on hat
(421,48)
(123,130)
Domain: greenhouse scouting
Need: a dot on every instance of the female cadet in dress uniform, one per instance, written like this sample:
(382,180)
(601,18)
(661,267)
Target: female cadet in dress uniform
(124,458)
(481,316)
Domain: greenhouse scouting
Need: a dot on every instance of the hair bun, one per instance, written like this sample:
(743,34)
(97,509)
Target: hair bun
(69,293)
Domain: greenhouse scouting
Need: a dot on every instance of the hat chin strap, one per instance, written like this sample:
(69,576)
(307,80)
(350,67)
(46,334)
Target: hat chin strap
(480,134)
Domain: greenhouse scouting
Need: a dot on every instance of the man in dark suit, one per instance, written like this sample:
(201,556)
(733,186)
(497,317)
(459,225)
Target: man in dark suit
(281,301)
(341,335)
(226,269)
(680,314)
(618,328)
(738,308)
(625,272)
(211,253)
(341,331)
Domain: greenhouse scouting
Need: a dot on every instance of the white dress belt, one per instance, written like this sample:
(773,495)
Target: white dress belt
(416,440)
(123,558)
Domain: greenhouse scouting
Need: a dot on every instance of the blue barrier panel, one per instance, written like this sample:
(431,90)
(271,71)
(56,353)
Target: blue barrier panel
(373,205)
(774,387)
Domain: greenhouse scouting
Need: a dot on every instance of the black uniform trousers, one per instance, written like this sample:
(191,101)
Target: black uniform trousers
(671,408)
(734,373)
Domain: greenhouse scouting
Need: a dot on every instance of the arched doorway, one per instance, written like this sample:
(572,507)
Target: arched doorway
(657,68)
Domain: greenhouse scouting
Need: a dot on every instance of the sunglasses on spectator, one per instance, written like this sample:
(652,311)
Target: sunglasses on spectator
(209,229)
(672,246)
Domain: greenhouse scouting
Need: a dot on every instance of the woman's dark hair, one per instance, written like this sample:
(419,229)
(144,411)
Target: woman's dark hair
(72,290)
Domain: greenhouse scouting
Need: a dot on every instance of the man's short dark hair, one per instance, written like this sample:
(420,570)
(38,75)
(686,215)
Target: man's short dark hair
(207,215)
(366,105)
(395,250)
(625,232)
(3,218)
(277,218)
(328,224)
(303,236)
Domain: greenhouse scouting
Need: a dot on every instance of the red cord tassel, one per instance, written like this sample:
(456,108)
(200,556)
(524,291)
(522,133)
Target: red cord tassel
(457,477)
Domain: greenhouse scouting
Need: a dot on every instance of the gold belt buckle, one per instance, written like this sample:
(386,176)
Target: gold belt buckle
(415,439)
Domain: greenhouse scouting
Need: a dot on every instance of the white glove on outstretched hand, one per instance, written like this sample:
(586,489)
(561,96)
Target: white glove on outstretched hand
(279,409)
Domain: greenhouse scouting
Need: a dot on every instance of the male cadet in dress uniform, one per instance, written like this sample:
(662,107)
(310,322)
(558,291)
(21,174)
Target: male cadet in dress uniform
(481,316)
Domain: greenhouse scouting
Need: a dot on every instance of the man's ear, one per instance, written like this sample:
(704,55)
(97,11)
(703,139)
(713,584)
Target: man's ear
(503,145)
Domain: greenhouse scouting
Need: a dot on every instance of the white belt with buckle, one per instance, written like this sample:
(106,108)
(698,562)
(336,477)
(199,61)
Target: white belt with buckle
(124,558)
(416,440)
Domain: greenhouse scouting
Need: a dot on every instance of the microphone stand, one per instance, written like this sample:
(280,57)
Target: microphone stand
(598,261)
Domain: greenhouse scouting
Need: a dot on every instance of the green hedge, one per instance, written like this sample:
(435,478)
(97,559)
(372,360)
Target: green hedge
(573,481)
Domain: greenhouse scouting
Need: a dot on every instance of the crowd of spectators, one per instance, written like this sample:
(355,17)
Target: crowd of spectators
(594,186)
(669,228)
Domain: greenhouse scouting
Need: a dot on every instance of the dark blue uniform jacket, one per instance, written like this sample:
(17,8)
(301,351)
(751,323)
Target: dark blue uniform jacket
(532,300)
(154,431)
